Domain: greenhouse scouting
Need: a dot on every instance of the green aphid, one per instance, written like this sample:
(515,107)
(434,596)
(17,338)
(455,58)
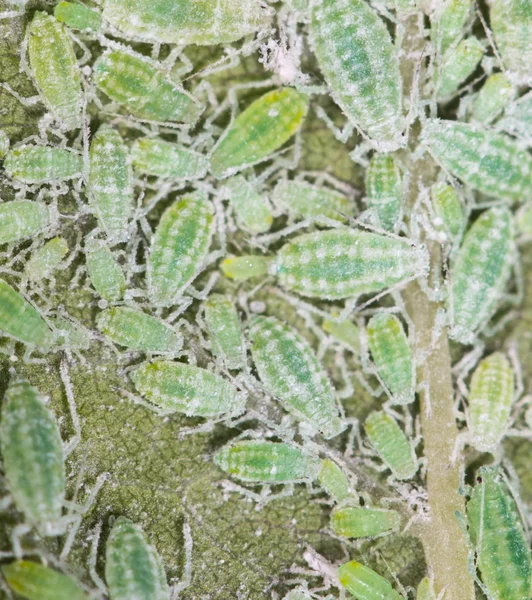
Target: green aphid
(358,522)
(361,66)
(448,23)
(365,584)
(4,143)
(105,274)
(312,202)
(251,208)
(133,567)
(448,207)
(110,183)
(55,69)
(186,22)
(517,118)
(46,259)
(290,370)
(425,590)
(78,16)
(298,595)
(179,248)
(499,538)
(334,481)
(393,356)
(255,461)
(259,131)
(346,332)
(143,88)
(490,402)
(494,96)
(241,268)
(384,190)
(71,335)
(523,220)
(391,444)
(177,387)
(136,330)
(42,164)
(480,272)
(458,64)
(23,219)
(34,581)
(156,157)
(225,330)
(21,321)
(489,162)
(406,7)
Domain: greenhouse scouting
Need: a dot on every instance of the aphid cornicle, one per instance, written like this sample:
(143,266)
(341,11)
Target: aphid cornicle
(251,208)
(42,164)
(499,538)
(450,214)
(78,16)
(225,330)
(458,64)
(360,522)
(290,370)
(23,219)
(334,481)
(384,190)
(46,259)
(365,584)
(105,273)
(494,96)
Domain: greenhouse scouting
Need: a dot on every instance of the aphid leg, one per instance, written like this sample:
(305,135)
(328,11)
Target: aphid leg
(19,531)
(93,559)
(27,102)
(65,377)
(462,439)
(141,402)
(187,569)
(342,135)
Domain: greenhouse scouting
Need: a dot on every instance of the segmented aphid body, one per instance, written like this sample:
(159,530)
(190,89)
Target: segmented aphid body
(365,584)
(225,330)
(384,190)
(450,213)
(23,219)
(358,522)
(448,23)
(46,259)
(494,96)
(251,208)
(42,164)
(105,273)
(458,64)
(334,481)
(78,16)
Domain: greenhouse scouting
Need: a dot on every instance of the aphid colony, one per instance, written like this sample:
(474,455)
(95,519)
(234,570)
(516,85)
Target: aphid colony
(194,226)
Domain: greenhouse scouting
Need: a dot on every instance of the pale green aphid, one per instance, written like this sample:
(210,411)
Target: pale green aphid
(489,162)
(143,88)
(365,584)
(225,330)
(177,387)
(346,332)
(137,330)
(290,370)
(425,590)
(45,260)
(491,396)
(34,581)
(78,16)
(297,595)
(384,191)
(255,461)
(251,208)
(179,248)
(499,538)
(22,219)
(156,157)
(21,321)
(42,164)
(110,183)
(259,131)
(360,64)
(480,272)
(105,273)
(457,65)
(449,209)
(405,7)
(391,444)
(4,143)
(55,69)
(312,202)
(241,268)
(517,118)
(359,522)
(187,21)
(133,567)
(523,219)
(393,356)
(448,22)
(334,481)
(71,335)
(494,96)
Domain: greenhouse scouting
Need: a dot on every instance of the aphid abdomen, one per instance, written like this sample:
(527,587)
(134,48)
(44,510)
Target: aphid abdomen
(384,190)
(22,219)
(46,259)
(458,64)
(494,96)
(358,522)
(225,330)
(251,208)
(105,273)
(42,164)
(365,584)
(78,16)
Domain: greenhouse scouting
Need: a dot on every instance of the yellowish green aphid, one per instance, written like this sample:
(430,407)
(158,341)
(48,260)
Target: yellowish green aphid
(425,590)
(384,191)
(241,268)
(448,23)
(71,335)
(391,444)
(105,273)
(494,96)
(359,522)
(365,584)
(42,164)
(259,131)
(143,88)
(251,208)
(451,218)
(346,332)
(78,16)
(55,69)
(334,481)
(137,330)
(523,219)
(4,143)
(458,64)
(45,260)
(22,219)
(290,370)
(225,330)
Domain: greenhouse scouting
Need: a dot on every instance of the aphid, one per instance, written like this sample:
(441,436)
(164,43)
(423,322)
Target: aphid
(448,23)
(55,69)
(346,332)
(523,219)
(450,213)
(22,219)
(42,164)
(494,96)
(105,273)
(391,444)
(178,387)
(34,581)
(290,370)
(365,584)
(487,161)
(334,481)
(45,260)
(143,89)
(225,330)
(312,202)
(499,539)
(517,118)
(259,131)
(4,143)
(384,191)
(358,522)
(405,7)
(255,461)
(78,16)
(179,248)
(251,208)
(241,268)
(133,567)
(360,64)
(110,183)
(480,272)
(21,321)
(162,159)
(393,357)
(137,330)
(71,335)
(425,590)
(189,22)
(457,65)
(297,595)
